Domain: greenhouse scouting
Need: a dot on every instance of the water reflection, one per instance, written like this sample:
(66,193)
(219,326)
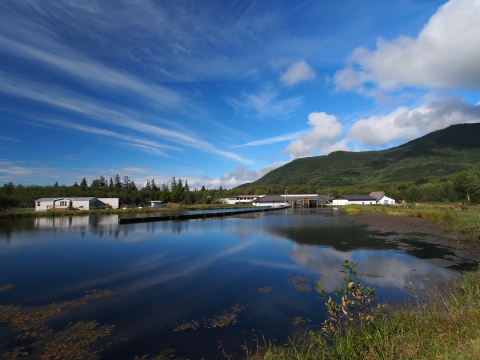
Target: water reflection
(167,275)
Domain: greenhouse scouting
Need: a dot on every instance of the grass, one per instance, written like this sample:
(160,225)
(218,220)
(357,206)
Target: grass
(440,324)
(462,221)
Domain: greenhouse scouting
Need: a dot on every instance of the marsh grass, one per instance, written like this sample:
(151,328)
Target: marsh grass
(442,323)
(460,220)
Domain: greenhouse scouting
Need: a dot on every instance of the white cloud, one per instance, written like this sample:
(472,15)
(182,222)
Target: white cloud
(403,124)
(298,72)
(266,104)
(241,175)
(326,128)
(444,55)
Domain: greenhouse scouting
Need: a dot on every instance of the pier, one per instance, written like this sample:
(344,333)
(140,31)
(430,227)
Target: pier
(204,215)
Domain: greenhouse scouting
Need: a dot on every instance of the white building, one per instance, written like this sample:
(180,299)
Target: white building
(77,203)
(155,203)
(103,203)
(270,200)
(381,198)
(354,199)
(241,199)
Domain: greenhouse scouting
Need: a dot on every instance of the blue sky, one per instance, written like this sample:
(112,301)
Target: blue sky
(221,92)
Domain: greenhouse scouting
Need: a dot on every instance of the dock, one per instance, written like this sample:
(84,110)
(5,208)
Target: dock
(204,215)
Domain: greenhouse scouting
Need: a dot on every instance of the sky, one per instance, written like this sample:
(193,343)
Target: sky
(219,93)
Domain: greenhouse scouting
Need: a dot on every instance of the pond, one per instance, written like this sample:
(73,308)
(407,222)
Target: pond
(89,287)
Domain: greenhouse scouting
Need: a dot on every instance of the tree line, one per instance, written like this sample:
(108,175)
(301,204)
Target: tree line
(460,187)
(125,189)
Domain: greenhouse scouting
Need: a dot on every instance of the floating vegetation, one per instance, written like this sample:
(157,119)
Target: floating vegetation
(187,325)
(73,342)
(34,318)
(300,320)
(265,289)
(6,287)
(228,317)
(300,283)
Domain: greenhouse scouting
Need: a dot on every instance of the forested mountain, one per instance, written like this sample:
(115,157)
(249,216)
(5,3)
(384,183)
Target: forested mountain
(440,153)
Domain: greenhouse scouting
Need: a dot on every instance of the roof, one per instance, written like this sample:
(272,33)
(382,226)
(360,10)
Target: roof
(48,199)
(356,197)
(82,198)
(243,196)
(378,194)
(271,198)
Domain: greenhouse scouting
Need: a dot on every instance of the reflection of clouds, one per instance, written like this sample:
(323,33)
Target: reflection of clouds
(276,264)
(393,269)
(181,268)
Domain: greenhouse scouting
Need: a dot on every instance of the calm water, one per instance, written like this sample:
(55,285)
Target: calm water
(253,274)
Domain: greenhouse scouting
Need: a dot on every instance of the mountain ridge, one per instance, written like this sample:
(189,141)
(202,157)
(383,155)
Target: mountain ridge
(439,153)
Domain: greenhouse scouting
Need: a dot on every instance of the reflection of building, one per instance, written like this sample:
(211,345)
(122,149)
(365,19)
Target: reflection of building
(78,203)
(78,222)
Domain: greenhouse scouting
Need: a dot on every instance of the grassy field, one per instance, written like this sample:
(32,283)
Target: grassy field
(462,221)
(441,324)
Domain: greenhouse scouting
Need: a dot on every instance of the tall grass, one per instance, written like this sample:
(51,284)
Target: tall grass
(462,221)
(440,324)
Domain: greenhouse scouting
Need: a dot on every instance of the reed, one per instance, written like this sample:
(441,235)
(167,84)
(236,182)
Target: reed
(442,323)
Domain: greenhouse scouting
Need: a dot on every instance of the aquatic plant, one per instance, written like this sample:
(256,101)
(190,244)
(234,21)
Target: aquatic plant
(354,304)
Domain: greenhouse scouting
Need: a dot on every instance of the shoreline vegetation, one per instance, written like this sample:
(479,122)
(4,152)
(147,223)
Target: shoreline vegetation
(442,323)
(462,221)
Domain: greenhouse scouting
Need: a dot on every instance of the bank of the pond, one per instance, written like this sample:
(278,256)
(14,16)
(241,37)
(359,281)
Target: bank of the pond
(443,323)
(27,212)
(462,221)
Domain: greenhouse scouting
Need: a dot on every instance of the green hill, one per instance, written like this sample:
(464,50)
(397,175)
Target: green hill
(439,153)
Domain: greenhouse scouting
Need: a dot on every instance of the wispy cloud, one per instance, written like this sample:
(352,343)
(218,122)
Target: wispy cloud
(8,139)
(276,139)
(91,72)
(266,104)
(113,115)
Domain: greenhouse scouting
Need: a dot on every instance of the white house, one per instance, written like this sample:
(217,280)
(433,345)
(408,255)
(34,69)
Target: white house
(354,199)
(381,198)
(155,203)
(241,199)
(78,203)
(45,204)
(104,202)
(84,203)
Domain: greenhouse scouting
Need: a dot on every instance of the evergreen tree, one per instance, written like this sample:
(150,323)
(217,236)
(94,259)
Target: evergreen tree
(152,184)
(110,185)
(117,184)
(126,182)
(83,183)
(186,188)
